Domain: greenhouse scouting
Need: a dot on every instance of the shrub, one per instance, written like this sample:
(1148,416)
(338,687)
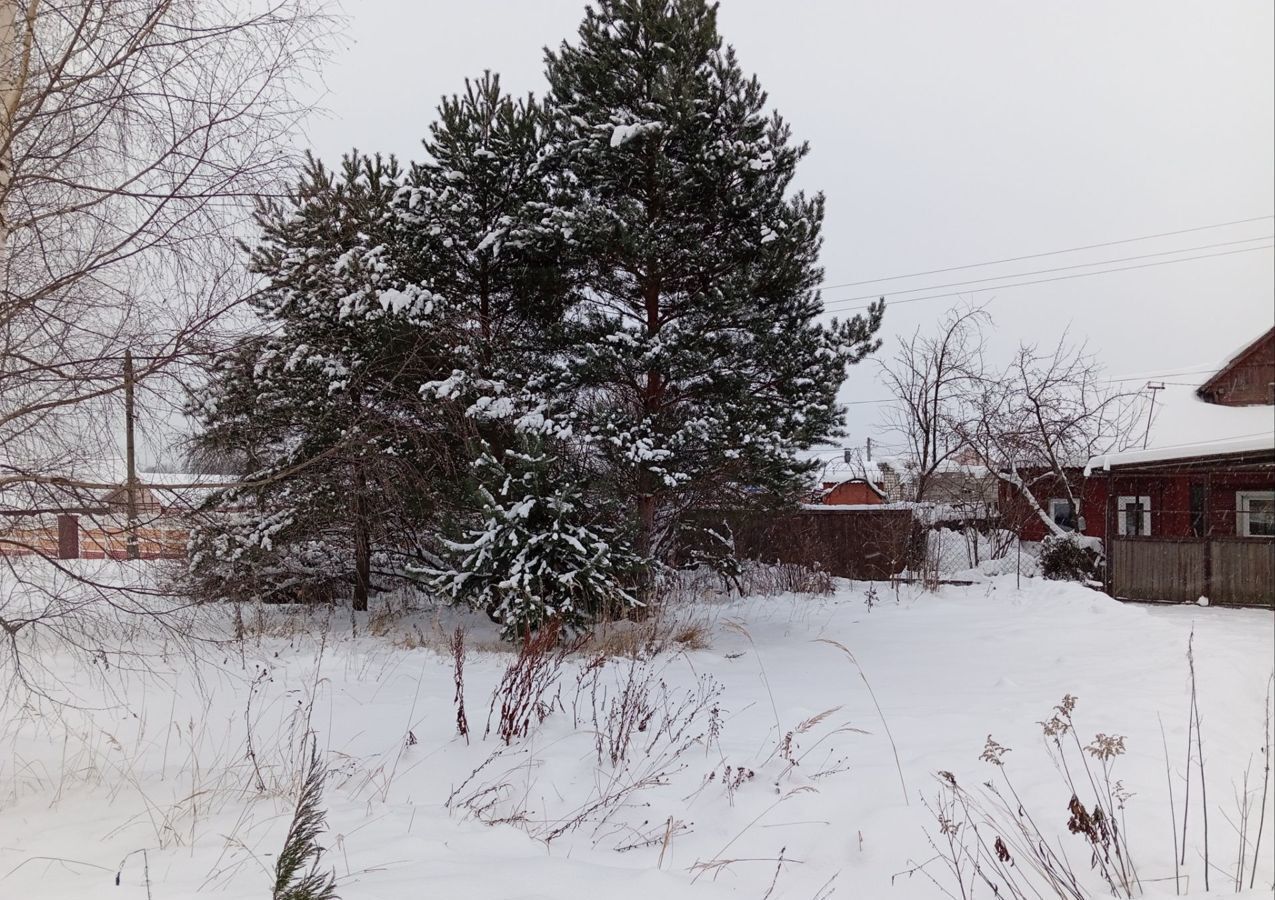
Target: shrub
(1071,557)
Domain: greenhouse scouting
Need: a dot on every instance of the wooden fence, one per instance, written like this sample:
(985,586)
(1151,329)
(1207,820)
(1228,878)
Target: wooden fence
(1227,570)
(864,544)
(90,537)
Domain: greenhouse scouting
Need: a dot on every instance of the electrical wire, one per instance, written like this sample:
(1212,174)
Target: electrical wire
(1163,262)
(1073,266)
(993,262)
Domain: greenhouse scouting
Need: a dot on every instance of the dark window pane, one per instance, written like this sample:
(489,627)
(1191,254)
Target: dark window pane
(1198,525)
(1261,517)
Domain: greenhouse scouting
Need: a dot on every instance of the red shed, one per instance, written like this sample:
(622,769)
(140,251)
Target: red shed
(851,492)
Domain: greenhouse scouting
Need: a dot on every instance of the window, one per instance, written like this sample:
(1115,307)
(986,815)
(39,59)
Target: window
(1255,513)
(1063,513)
(1133,515)
(1199,518)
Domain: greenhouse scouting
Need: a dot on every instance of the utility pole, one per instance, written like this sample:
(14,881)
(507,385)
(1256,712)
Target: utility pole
(1153,387)
(869,449)
(130,456)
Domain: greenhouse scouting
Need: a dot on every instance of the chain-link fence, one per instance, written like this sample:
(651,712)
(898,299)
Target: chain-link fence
(955,553)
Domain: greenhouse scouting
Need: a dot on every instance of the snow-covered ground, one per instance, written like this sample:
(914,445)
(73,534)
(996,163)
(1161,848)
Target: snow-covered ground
(764,744)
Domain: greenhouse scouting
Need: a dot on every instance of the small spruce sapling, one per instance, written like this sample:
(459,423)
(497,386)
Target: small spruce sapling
(534,555)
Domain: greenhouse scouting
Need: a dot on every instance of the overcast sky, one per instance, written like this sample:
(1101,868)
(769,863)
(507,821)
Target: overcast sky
(945,134)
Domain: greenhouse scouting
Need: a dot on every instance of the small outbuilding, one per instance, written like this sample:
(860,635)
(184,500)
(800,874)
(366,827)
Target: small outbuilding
(851,492)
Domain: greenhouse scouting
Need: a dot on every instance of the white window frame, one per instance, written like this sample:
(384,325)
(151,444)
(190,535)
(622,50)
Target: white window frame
(1242,501)
(1122,523)
(1053,516)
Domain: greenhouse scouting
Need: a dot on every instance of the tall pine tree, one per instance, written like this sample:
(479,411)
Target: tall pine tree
(401,326)
(463,207)
(696,361)
(323,408)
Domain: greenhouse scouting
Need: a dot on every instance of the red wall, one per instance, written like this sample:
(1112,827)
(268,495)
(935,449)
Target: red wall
(1018,515)
(1170,503)
(1171,500)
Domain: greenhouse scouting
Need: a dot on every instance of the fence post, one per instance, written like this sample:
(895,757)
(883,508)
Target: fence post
(1208,535)
(68,537)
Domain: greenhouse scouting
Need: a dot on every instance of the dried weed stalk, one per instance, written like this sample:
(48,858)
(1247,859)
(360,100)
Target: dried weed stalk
(456,643)
(522,698)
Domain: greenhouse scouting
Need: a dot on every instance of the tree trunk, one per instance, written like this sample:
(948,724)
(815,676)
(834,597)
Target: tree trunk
(15,63)
(645,549)
(130,457)
(652,401)
(1033,504)
(362,542)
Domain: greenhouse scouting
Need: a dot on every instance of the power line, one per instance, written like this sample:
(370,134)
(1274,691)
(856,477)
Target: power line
(1087,265)
(1163,262)
(993,262)
(1158,375)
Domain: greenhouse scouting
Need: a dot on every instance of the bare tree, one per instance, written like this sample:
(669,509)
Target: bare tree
(134,135)
(931,379)
(1039,421)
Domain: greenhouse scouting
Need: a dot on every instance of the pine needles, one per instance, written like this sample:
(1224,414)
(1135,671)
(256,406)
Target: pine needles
(297,873)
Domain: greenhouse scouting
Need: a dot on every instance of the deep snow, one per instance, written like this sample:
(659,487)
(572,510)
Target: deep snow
(161,763)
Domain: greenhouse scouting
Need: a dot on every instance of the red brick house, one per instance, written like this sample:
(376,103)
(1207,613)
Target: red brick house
(1193,513)
(73,523)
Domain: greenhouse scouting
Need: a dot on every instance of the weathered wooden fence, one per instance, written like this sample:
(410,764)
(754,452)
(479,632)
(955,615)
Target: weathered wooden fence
(864,544)
(100,536)
(1227,570)
(1242,571)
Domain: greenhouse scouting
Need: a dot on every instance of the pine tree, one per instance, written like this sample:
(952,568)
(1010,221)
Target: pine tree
(324,407)
(402,325)
(463,208)
(696,361)
(536,553)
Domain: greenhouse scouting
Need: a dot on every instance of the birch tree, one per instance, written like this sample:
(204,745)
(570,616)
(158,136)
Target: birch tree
(134,136)
(1038,422)
(930,379)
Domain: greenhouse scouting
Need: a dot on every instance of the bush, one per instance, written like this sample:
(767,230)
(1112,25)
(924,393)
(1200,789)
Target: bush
(235,556)
(1071,557)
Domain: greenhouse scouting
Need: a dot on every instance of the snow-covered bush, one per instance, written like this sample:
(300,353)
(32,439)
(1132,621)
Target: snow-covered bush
(234,556)
(536,554)
(1071,557)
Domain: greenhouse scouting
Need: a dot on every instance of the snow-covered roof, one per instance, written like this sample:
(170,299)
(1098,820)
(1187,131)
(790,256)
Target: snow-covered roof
(1247,444)
(107,475)
(1184,426)
(1239,352)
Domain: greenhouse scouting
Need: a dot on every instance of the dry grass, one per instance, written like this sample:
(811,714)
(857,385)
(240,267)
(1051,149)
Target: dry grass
(662,633)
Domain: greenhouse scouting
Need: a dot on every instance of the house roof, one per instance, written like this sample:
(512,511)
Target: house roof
(169,489)
(1234,359)
(1184,426)
(834,469)
(857,479)
(1244,444)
